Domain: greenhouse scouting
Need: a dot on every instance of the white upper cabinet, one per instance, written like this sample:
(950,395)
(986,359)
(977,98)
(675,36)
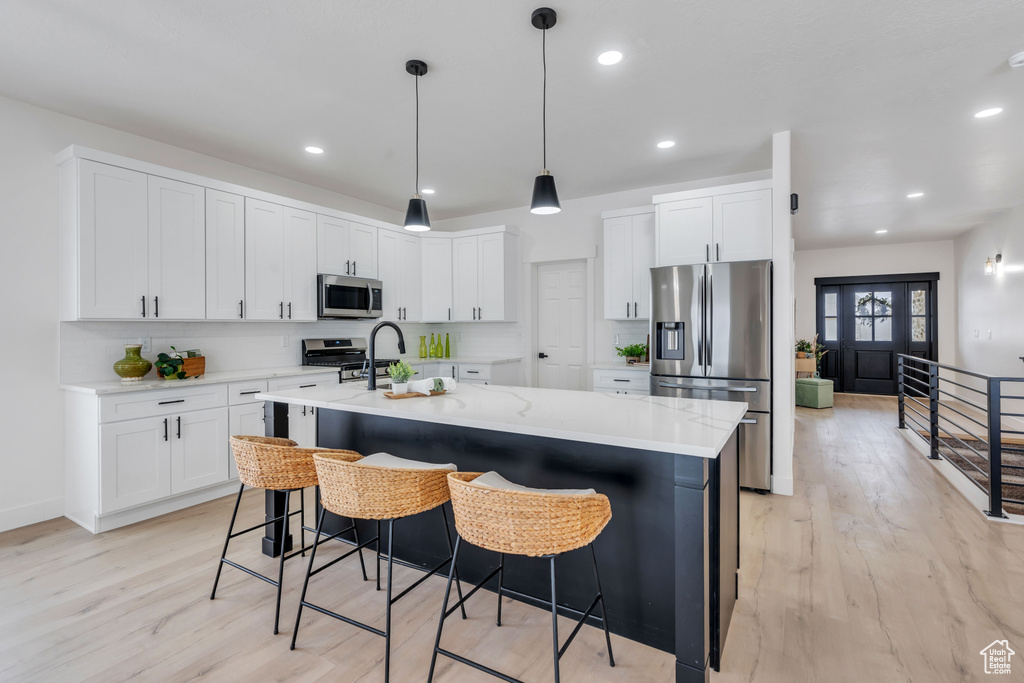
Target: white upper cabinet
(484,276)
(346,248)
(628,258)
(264,260)
(105,240)
(730,223)
(465,278)
(177,249)
(225,256)
(400,271)
(300,264)
(743,226)
(436,257)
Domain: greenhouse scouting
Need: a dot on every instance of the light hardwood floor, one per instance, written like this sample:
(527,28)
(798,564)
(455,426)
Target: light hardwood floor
(876,570)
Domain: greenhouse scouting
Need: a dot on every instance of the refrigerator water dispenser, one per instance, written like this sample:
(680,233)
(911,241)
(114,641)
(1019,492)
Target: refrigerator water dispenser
(670,341)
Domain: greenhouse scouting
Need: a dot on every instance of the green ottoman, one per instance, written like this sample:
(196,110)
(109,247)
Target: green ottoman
(814,392)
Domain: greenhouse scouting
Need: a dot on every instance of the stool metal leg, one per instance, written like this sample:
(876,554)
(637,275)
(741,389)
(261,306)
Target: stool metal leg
(458,581)
(387,614)
(501,578)
(604,609)
(280,571)
(224,553)
(444,608)
(302,520)
(362,565)
(309,568)
(554,618)
(378,554)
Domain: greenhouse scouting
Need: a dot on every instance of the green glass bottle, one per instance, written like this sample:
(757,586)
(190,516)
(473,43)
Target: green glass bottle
(447,347)
(433,347)
(423,346)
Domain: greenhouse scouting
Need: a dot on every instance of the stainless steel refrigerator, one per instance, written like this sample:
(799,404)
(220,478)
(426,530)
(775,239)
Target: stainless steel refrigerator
(711,331)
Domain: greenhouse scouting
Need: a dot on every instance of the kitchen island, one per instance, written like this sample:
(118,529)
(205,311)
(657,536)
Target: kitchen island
(669,556)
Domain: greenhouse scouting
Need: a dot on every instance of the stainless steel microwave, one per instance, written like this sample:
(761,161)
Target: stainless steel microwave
(349,297)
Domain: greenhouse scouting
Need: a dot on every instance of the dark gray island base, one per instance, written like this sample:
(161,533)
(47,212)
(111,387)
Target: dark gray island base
(668,558)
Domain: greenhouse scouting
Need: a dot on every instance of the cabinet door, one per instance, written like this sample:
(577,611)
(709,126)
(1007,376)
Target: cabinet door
(437,279)
(618,268)
(134,462)
(389,272)
(113,242)
(363,249)
(197,449)
(264,260)
(302,425)
(684,232)
(465,278)
(177,249)
(300,264)
(225,256)
(332,240)
(410,278)
(244,420)
(491,288)
(743,226)
(643,261)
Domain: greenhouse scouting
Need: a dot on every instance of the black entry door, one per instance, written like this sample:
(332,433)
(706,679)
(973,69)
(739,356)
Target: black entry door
(876,332)
(865,323)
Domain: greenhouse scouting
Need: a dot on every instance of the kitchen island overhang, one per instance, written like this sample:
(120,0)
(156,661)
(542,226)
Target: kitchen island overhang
(669,467)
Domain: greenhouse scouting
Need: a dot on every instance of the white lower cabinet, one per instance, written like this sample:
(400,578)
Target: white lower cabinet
(623,381)
(136,463)
(244,420)
(197,450)
(302,425)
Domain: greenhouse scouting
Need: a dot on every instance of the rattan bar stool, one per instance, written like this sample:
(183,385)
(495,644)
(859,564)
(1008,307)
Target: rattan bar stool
(378,487)
(280,465)
(497,515)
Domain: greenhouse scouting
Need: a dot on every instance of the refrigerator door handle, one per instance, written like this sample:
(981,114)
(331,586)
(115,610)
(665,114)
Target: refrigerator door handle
(748,421)
(744,390)
(709,325)
(700,327)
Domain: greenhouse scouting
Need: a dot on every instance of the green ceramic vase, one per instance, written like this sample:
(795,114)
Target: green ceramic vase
(133,367)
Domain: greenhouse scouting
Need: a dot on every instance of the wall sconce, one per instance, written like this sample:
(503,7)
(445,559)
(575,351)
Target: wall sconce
(990,264)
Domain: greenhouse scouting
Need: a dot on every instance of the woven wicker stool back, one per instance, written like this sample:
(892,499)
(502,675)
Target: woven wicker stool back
(365,492)
(524,522)
(266,462)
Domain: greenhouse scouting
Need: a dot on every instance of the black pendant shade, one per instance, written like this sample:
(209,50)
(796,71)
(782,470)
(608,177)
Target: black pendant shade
(416,218)
(545,197)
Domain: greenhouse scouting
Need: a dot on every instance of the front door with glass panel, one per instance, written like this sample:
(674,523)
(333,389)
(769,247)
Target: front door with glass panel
(865,325)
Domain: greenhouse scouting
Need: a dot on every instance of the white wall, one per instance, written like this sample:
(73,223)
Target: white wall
(992,303)
(783,390)
(881,259)
(31,407)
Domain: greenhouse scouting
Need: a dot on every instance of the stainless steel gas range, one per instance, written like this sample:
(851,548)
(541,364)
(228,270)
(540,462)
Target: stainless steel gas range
(348,354)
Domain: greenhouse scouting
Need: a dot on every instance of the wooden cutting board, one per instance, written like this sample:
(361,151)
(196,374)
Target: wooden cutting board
(388,394)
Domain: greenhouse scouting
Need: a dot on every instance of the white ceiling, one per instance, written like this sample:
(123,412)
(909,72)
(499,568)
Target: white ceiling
(879,94)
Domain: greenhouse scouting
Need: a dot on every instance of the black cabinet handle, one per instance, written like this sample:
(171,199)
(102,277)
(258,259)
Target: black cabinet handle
(280,313)
(303,411)
(634,309)
(247,393)
(449,312)
(143,307)
(289,310)
(405,313)
(307,386)
(707,252)
(179,426)
(348,267)
(167,403)
(353,267)
(156,307)
(472,372)
(627,309)
(165,429)
(620,380)
(480,313)
(718,256)
(241,310)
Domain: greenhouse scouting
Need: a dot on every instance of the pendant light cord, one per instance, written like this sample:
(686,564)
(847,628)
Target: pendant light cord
(417,136)
(544,98)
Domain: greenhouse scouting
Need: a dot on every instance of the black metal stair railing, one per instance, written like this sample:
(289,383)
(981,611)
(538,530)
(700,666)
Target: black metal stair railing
(933,387)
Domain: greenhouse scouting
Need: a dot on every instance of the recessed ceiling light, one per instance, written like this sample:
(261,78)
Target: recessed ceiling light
(610,57)
(426,191)
(881,232)
(315,150)
(665,144)
(985,113)
(915,195)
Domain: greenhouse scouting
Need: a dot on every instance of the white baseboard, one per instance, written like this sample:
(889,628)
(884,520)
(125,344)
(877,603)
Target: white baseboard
(782,485)
(12,518)
(115,520)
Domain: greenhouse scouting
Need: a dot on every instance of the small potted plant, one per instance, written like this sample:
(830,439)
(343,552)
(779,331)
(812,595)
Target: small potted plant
(401,372)
(804,349)
(633,353)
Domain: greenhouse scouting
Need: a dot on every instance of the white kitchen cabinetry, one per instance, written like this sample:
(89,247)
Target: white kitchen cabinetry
(731,223)
(346,247)
(302,425)
(177,249)
(628,258)
(484,276)
(623,381)
(245,415)
(197,449)
(136,464)
(400,269)
(225,256)
(280,262)
(436,257)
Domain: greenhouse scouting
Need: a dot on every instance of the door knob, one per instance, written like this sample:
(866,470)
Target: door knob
(542,355)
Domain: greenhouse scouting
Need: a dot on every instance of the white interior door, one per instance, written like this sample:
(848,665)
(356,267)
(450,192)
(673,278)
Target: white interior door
(562,325)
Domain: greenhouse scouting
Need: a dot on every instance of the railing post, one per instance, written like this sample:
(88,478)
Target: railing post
(899,375)
(933,410)
(995,449)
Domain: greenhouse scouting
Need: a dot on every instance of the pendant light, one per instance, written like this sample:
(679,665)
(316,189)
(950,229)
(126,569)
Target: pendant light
(545,197)
(416,218)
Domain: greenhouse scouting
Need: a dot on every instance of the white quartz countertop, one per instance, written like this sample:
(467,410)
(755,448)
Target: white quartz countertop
(115,386)
(656,423)
(476,360)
